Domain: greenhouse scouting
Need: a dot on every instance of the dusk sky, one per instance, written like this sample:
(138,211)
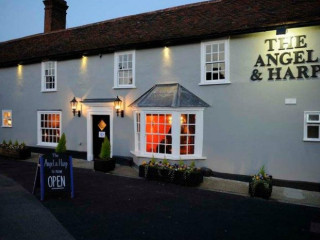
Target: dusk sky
(20,18)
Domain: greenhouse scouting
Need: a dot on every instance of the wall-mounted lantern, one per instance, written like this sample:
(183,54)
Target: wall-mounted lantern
(74,104)
(117,106)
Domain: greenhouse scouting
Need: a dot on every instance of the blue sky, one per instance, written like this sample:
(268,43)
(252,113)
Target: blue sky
(19,18)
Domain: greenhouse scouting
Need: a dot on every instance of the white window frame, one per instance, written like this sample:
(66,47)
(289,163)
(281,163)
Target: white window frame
(39,128)
(116,70)
(43,80)
(227,63)
(175,133)
(307,123)
(3,118)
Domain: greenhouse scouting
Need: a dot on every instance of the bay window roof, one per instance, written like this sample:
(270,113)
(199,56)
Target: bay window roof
(171,95)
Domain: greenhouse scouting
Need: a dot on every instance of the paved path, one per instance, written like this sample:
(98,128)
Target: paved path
(23,217)
(281,194)
(114,207)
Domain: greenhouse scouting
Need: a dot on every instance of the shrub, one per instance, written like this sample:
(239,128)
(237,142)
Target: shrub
(193,164)
(181,163)
(105,149)
(153,160)
(10,142)
(165,161)
(4,142)
(61,148)
(16,144)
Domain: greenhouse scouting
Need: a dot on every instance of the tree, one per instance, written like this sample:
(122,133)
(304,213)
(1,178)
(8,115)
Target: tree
(105,149)
(61,148)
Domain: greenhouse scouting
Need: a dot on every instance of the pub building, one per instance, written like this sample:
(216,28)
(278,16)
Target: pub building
(231,85)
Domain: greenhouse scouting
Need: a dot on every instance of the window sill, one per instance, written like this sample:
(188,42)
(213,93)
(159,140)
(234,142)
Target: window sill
(6,126)
(124,87)
(311,140)
(214,83)
(47,144)
(173,158)
(48,91)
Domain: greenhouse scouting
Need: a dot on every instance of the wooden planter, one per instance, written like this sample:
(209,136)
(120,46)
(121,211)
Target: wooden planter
(166,175)
(260,190)
(104,165)
(17,154)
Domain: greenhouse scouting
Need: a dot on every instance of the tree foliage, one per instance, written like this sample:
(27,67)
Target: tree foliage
(62,148)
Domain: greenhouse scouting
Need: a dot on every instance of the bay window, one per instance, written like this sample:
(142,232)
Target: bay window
(174,134)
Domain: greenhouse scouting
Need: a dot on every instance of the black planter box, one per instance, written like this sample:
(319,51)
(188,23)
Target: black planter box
(104,165)
(21,154)
(166,175)
(260,190)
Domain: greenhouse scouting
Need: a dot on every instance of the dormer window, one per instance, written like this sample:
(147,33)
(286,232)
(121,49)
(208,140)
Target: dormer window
(49,76)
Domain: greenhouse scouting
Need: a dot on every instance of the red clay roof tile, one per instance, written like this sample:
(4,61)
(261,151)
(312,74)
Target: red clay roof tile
(187,23)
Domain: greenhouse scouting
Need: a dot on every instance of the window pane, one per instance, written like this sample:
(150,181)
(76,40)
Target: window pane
(208,49)
(192,118)
(313,132)
(191,140)
(314,117)
(221,47)
(183,140)
(183,150)
(214,47)
(190,149)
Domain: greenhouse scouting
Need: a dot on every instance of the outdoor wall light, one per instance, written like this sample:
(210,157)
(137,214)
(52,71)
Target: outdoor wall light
(117,106)
(281,30)
(74,104)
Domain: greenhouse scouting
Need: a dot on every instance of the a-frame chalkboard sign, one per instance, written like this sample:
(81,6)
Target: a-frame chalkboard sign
(54,175)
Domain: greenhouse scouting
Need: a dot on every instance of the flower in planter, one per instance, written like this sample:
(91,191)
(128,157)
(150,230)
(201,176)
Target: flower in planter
(261,184)
(176,173)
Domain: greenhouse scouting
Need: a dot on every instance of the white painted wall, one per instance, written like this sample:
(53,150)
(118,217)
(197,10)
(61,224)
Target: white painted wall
(247,125)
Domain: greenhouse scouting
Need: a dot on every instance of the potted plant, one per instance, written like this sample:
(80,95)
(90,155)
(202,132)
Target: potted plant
(16,150)
(62,144)
(175,173)
(105,163)
(260,184)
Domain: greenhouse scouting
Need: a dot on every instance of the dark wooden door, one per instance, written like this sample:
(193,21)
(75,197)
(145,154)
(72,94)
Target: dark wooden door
(100,129)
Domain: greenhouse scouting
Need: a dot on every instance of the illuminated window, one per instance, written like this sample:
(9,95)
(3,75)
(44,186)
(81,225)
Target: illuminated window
(124,70)
(312,126)
(137,130)
(49,128)
(173,134)
(6,118)
(187,133)
(215,62)
(158,133)
(49,76)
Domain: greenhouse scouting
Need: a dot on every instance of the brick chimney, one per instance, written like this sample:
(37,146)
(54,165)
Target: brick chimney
(55,15)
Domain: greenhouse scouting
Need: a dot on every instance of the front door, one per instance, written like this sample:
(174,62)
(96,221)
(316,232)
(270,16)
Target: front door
(100,130)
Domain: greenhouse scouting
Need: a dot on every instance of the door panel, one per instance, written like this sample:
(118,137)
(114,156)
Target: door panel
(100,129)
